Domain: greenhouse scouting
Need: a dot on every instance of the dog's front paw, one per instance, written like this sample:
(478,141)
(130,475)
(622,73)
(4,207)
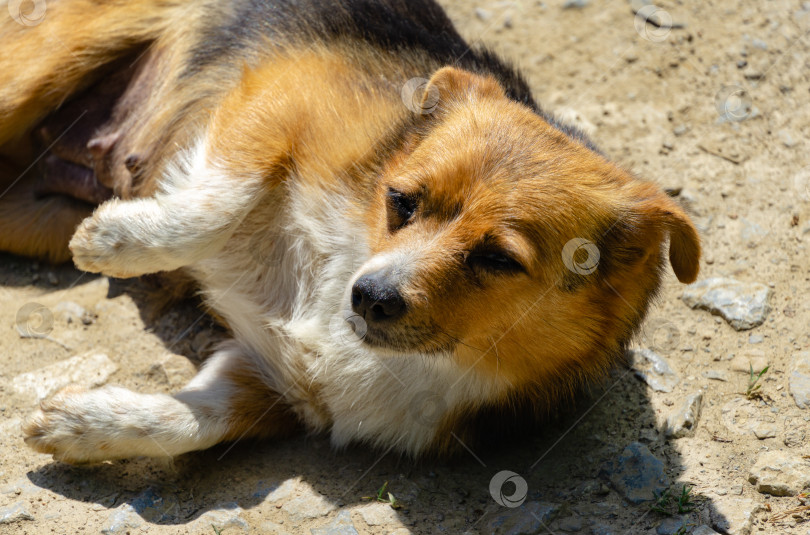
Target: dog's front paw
(100,245)
(63,428)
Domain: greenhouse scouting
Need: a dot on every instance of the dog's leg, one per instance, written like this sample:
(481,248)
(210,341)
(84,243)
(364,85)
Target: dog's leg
(198,209)
(51,49)
(246,151)
(227,400)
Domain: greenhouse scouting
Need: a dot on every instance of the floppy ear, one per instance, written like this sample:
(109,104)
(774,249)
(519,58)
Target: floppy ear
(641,227)
(684,242)
(450,84)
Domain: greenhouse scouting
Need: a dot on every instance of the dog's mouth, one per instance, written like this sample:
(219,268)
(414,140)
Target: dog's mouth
(401,339)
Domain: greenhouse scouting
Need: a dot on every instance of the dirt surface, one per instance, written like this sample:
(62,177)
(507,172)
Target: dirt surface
(715,110)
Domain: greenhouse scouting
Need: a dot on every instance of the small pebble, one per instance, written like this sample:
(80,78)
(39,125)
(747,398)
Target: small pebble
(575,4)
(482,14)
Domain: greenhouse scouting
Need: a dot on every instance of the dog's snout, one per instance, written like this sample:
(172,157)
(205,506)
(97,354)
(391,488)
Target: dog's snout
(376,298)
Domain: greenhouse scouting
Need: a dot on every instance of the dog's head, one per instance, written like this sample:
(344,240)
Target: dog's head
(498,238)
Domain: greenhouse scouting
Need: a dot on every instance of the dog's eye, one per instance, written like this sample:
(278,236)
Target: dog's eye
(401,207)
(494,261)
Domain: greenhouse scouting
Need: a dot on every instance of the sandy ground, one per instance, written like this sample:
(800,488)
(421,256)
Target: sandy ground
(655,100)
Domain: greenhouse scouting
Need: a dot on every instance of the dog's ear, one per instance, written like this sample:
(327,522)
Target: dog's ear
(639,229)
(684,242)
(449,85)
(668,217)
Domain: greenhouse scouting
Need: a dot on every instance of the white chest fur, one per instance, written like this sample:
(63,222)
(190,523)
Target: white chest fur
(282,282)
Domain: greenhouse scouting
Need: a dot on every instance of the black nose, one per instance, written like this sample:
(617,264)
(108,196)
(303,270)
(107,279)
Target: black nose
(376,298)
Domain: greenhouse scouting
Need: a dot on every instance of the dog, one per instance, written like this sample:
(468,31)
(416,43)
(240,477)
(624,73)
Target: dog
(408,252)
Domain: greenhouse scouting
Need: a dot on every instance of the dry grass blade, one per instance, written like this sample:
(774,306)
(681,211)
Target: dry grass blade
(789,513)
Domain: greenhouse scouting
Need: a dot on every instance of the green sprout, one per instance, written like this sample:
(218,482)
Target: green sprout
(753,391)
(669,505)
(383,496)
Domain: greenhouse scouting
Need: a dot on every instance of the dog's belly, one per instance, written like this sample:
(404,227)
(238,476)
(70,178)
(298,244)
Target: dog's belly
(86,139)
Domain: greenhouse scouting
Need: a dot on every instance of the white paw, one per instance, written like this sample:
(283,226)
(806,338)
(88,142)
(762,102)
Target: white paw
(63,428)
(101,244)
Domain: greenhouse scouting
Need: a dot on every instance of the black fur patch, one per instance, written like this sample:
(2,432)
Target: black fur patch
(237,30)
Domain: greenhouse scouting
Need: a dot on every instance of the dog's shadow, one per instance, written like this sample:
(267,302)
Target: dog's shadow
(568,470)
(572,470)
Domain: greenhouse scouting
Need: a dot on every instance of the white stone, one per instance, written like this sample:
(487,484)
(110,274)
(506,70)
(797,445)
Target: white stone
(780,474)
(653,370)
(88,370)
(734,515)
(16,512)
(800,379)
(683,421)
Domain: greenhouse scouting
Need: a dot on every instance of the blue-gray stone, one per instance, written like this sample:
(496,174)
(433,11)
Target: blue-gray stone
(744,305)
(154,507)
(683,420)
(673,525)
(637,474)
(752,234)
(578,4)
(148,505)
(263,489)
(121,520)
